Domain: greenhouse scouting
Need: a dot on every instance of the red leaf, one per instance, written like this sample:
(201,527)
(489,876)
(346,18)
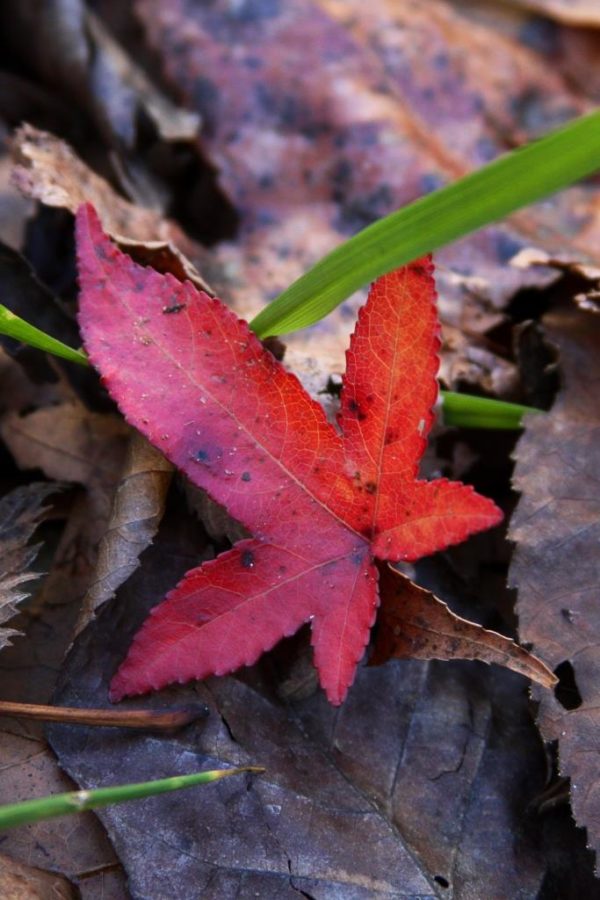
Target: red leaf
(321,505)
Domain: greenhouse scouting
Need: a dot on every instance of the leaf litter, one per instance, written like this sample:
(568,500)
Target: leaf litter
(466,304)
(348,497)
(406,781)
(555,564)
(21,511)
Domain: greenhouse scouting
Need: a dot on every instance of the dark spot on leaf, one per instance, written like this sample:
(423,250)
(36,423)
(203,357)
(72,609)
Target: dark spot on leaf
(355,410)
(248,559)
(246,476)
(202,456)
(175,308)
(390,436)
(371,487)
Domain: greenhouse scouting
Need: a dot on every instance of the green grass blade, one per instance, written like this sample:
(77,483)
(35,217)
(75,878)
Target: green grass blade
(479,412)
(76,801)
(485,196)
(21,330)
(459,409)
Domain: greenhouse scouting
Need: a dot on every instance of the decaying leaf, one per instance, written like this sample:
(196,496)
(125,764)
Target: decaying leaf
(571,12)
(47,169)
(587,294)
(556,566)
(21,511)
(414,624)
(63,440)
(20,882)
(138,507)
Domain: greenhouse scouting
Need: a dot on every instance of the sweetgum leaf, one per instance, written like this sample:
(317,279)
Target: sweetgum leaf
(321,504)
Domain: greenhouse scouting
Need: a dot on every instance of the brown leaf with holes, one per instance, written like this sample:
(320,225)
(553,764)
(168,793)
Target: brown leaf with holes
(556,566)
(414,624)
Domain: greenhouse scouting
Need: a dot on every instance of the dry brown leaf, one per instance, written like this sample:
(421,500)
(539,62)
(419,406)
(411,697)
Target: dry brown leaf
(556,565)
(138,507)
(63,440)
(20,882)
(69,443)
(21,511)
(48,170)
(72,53)
(581,13)
(414,624)
(587,295)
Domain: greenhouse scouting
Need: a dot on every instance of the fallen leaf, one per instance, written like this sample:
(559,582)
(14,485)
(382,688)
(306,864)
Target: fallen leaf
(581,13)
(21,512)
(323,116)
(63,439)
(47,169)
(199,384)
(20,882)
(73,445)
(138,506)
(416,787)
(587,293)
(556,566)
(414,624)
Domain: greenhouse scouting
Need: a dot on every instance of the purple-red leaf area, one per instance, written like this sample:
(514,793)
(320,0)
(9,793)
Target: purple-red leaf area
(320,502)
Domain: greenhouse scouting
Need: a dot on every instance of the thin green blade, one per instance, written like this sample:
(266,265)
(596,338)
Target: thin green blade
(76,801)
(20,330)
(465,411)
(485,196)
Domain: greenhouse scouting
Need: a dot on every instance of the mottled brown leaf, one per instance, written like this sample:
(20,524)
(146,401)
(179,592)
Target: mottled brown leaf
(20,882)
(322,116)
(21,511)
(556,565)
(571,12)
(414,624)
